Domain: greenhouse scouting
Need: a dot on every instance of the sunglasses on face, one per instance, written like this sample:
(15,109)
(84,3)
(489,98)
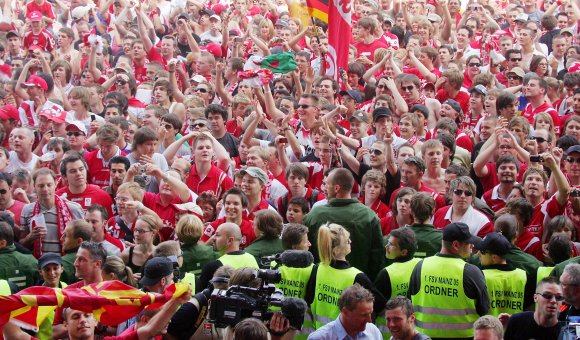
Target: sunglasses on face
(474,65)
(460,192)
(120,82)
(304,106)
(198,125)
(515,59)
(539,139)
(382,86)
(201,89)
(549,296)
(408,88)
(75,133)
(3,191)
(376,152)
(168,126)
(573,160)
(514,78)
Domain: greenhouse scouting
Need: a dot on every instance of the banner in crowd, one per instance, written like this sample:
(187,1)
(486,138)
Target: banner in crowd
(339,35)
(111,302)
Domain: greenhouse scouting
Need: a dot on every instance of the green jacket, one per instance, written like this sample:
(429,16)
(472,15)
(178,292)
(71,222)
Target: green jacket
(196,256)
(264,247)
(428,239)
(368,253)
(68,260)
(518,259)
(559,269)
(18,268)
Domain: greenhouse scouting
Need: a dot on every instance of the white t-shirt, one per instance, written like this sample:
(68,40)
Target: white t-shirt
(16,163)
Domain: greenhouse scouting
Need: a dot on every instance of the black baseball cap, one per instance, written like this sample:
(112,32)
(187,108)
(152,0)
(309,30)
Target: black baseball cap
(459,232)
(156,269)
(494,243)
(455,105)
(380,112)
(572,149)
(49,258)
(353,94)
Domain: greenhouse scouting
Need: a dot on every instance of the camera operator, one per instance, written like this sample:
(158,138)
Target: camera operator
(227,242)
(181,326)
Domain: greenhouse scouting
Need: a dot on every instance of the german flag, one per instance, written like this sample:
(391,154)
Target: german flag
(111,302)
(318,9)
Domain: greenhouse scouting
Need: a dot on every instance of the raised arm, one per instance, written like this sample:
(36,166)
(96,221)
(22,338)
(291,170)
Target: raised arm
(159,321)
(175,183)
(172,149)
(486,154)
(147,43)
(559,178)
(225,96)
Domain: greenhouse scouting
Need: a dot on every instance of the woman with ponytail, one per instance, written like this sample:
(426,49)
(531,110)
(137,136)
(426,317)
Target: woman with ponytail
(115,269)
(334,274)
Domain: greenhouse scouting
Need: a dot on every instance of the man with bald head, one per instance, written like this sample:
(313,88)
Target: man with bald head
(21,157)
(227,242)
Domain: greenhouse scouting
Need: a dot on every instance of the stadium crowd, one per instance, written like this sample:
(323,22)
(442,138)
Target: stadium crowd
(435,178)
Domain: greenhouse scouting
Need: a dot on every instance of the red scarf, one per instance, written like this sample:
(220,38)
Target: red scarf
(413,140)
(63,216)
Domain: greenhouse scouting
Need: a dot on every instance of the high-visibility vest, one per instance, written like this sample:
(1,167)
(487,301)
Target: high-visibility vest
(442,309)
(239,261)
(506,290)
(543,272)
(5,288)
(293,284)
(330,283)
(190,278)
(399,275)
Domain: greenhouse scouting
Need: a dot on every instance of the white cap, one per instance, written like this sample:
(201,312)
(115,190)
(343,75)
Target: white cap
(217,17)
(78,126)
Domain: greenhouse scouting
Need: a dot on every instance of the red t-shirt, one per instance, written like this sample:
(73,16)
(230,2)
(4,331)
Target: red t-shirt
(45,8)
(529,243)
(439,199)
(369,49)
(529,113)
(543,212)
(491,180)
(416,72)
(247,229)
(378,207)
(216,181)
(115,230)
(462,98)
(16,209)
(44,40)
(140,71)
(491,197)
(165,212)
(479,224)
(99,173)
(92,195)
(388,224)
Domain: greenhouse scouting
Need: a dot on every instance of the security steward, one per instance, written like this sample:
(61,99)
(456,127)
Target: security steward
(508,287)
(227,242)
(393,280)
(448,294)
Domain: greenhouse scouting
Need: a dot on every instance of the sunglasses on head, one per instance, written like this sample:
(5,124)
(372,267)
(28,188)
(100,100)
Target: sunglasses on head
(75,133)
(549,296)
(376,152)
(460,192)
(201,89)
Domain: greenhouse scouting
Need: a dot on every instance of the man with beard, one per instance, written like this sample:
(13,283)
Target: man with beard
(543,322)
(507,169)
(118,167)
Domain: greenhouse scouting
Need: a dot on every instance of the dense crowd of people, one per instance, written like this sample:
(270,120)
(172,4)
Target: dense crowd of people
(435,179)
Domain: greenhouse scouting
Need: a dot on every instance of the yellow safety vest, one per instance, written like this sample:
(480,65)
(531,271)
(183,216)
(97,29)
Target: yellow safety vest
(399,275)
(5,288)
(330,283)
(442,309)
(239,261)
(190,278)
(506,290)
(543,272)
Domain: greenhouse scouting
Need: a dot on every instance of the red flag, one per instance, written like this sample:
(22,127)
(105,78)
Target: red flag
(339,35)
(111,302)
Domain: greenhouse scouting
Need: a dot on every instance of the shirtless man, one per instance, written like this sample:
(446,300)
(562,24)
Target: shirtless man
(432,153)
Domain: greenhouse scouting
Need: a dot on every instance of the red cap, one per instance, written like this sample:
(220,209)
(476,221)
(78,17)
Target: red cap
(214,49)
(36,81)
(35,16)
(218,8)
(574,68)
(9,112)
(56,116)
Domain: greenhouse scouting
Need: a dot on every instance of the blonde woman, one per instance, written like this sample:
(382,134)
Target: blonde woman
(334,274)
(146,235)
(115,269)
